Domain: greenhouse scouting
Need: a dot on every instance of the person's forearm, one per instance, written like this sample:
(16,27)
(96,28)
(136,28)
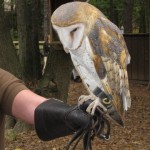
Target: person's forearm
(51,117)
(24,105)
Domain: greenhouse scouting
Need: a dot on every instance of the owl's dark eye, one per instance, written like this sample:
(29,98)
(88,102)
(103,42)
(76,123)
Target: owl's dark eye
(74,30)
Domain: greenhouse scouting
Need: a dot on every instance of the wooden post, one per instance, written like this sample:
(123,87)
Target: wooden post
(149,56)
(50,13)
(47,14)
(149,53)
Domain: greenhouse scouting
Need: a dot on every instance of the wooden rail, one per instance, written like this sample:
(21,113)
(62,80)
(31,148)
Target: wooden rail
(138,46)
(16,44)
(56,44)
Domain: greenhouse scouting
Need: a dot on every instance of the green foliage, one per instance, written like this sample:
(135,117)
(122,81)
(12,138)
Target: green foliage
(105,5)
(114,8)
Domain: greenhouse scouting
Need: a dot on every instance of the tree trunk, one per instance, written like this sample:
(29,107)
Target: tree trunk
(47,21)
(36,62)
(147,12)
(149,51)
(127,16)
(8,57)
(56,79)
(142,28)
(24,30)
(27,20)
(149,56)
(144,16)
(113,13)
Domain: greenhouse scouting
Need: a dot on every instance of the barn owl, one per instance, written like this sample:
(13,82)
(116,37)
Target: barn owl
(99,54)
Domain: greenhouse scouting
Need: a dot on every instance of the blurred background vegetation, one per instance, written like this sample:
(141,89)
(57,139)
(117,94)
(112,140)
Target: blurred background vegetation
(132,15)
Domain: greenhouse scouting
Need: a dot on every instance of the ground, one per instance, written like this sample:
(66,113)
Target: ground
(135,135)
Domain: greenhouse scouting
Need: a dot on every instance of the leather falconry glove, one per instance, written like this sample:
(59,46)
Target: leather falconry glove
(54,119)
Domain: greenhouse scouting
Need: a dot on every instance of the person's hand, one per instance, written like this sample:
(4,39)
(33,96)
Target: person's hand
(54,119)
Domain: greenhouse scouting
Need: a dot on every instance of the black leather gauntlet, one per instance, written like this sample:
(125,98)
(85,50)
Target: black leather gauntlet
(54,119)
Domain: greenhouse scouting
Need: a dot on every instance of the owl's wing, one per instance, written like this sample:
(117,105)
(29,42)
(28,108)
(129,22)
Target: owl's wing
(110,56)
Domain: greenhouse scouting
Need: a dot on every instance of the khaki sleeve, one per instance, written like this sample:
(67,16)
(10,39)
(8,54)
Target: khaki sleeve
(10,86)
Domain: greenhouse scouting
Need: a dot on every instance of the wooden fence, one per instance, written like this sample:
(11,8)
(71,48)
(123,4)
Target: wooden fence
(138,46)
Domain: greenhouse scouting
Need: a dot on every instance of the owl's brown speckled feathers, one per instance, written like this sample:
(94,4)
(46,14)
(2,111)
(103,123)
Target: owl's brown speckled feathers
(106,48)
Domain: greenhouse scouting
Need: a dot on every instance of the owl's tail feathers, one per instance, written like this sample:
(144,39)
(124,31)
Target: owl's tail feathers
(126,97)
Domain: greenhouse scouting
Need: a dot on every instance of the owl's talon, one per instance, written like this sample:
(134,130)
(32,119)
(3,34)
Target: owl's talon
(84,98)
(89,109)
(93,106)
(90,103)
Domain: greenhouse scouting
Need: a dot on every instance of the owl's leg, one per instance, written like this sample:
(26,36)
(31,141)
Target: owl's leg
(84,98)
(94,102)
(92,107)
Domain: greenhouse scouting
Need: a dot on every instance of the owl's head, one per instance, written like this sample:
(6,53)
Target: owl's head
(72,22)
